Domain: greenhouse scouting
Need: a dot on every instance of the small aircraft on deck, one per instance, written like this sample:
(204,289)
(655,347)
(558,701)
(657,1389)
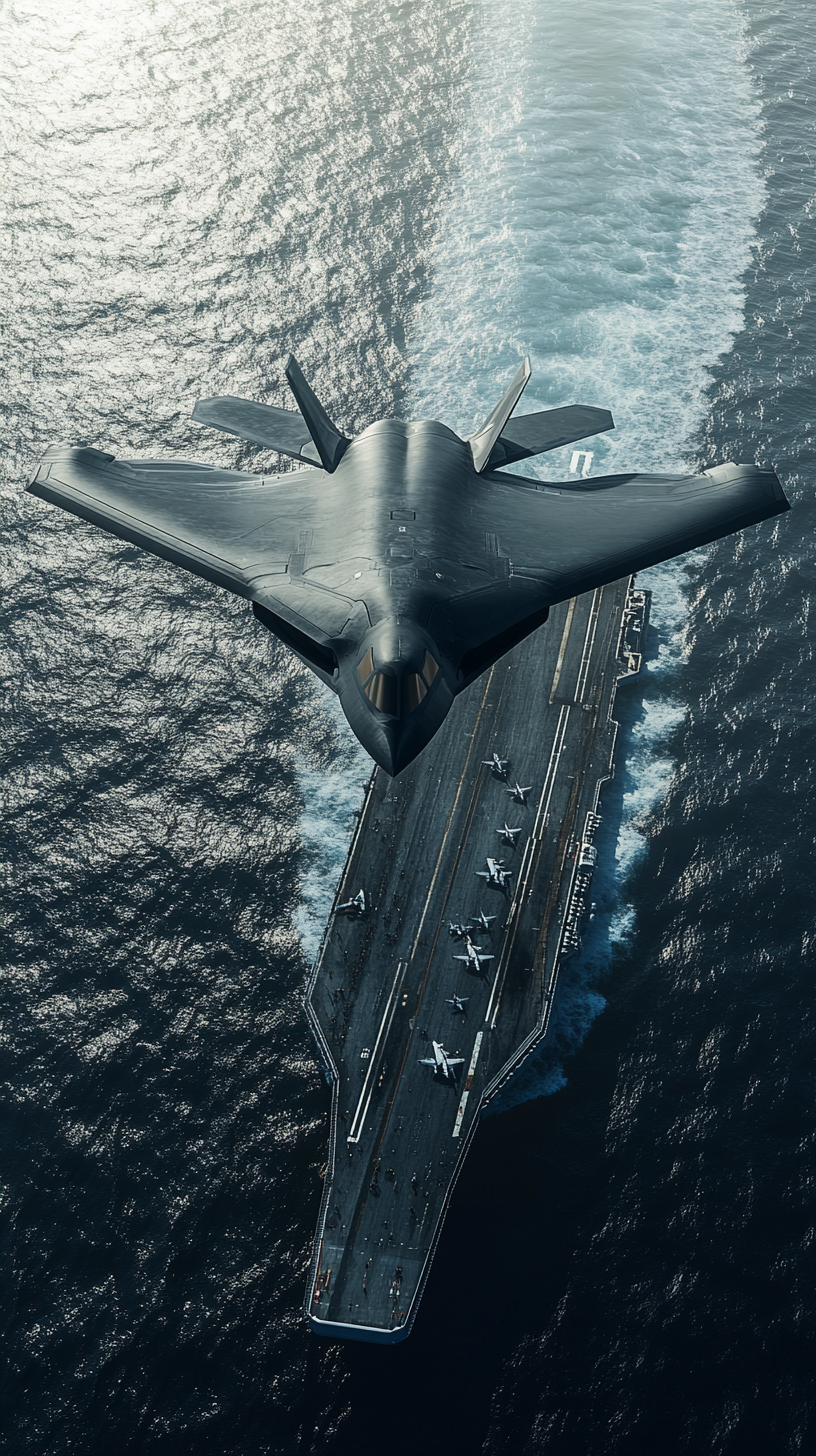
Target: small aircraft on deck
(483,921)
(457,1002)
(519,794)
(473,956)
(495,874)
(508,835)
(357,906)
(497,765)
(444,1065)
(457,931)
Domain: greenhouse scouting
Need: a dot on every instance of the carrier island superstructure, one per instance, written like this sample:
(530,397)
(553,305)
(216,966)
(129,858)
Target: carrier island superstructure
(421,1008)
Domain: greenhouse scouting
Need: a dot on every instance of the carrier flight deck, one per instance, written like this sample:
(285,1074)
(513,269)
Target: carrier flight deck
(463,890)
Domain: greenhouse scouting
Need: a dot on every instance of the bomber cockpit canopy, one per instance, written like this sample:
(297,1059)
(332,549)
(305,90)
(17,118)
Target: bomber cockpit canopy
(391,692)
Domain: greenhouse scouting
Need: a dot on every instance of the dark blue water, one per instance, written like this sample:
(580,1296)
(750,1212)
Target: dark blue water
(629,1264)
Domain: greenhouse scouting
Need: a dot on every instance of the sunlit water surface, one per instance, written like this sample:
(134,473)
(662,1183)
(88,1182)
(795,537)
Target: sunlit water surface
(411,198)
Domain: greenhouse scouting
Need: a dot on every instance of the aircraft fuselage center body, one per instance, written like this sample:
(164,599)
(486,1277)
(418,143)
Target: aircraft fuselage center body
(402,539)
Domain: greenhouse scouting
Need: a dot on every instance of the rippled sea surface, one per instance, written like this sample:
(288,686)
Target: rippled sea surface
(409,196)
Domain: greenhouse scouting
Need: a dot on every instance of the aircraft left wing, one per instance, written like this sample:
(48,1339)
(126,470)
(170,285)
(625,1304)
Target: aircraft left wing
(237,530)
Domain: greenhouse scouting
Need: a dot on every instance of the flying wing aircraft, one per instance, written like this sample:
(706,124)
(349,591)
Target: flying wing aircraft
(444,1066)
(402,564)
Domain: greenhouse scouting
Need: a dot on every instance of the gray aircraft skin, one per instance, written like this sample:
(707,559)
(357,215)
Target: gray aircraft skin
(402,564)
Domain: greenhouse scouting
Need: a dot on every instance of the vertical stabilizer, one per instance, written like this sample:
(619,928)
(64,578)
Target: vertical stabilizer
(482,443)
(329,443)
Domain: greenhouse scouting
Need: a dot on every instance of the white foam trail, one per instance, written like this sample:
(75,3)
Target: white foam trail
(601,221)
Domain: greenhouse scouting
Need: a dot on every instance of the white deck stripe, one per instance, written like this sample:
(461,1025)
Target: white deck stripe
(563,647)
(589,643)
(541,819)
(385,1026)
(477,1046)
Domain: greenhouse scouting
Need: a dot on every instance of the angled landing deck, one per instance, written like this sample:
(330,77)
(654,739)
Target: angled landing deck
(389,992)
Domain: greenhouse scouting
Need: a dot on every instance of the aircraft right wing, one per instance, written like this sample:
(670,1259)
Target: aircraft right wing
(572,536)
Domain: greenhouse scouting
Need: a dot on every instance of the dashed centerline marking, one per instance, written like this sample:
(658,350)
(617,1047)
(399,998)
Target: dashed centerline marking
(477,1046)
(385,1026)
(561,651)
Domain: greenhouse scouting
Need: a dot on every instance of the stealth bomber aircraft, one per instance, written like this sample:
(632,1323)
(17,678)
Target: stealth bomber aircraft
(401,564)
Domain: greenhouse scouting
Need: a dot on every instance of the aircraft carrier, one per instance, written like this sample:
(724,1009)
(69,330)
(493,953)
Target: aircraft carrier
(381,998)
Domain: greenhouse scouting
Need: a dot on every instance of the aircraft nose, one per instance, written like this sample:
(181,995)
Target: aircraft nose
(395,695)
(402,744)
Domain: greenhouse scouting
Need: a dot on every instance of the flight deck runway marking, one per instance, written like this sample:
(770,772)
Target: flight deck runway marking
(475,795)
(533,843)
(563,647)
(385,1026)
(450,817)
(589,642)
(543,808)
(552,768)
(477,1046)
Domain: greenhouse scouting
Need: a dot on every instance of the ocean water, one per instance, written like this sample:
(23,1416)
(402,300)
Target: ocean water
(411,197)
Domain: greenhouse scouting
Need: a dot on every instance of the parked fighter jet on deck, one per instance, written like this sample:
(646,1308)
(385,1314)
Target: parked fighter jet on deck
(495,874)
(444,1066)
(508,835)
(457,1002)
(357,906)
(473,957)
(518,794)
(401,564)
(483,921)
(497,765)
